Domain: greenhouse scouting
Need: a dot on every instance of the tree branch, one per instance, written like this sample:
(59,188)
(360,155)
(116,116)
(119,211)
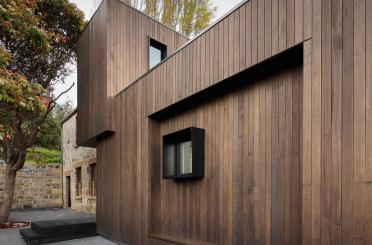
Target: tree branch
(20,160)
(3,146)
(35,129)
(7,151)
(64,92)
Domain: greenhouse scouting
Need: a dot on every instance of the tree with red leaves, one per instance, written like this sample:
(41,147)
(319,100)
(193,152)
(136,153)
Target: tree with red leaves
(38,38)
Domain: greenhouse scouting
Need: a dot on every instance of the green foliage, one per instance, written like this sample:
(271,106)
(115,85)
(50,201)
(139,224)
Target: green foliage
(19,104)
(41,36)
(203,16)
(4,57)
(43,155)
(38,38)
(187,16)
(19,23)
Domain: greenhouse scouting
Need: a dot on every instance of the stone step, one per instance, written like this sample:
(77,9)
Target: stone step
(49,231)
(30,237)
(64,227)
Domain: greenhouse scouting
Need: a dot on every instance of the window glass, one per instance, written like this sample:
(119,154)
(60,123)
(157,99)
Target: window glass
(157,52)
(155,56)
(169,159)
(186,157)
(183,154)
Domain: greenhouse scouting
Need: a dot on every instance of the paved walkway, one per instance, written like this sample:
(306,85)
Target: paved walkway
(12,237)
(97,240)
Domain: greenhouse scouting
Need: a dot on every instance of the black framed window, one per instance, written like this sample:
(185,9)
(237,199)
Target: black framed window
(183,154)
(157,52)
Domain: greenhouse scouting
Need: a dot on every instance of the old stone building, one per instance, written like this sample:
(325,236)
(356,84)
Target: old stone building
(79,185)
(38,185)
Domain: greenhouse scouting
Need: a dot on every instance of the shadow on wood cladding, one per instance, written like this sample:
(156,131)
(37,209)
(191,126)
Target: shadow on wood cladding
(285,60)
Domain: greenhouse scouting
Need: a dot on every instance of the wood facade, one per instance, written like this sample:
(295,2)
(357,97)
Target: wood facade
(283,89)
(112,53)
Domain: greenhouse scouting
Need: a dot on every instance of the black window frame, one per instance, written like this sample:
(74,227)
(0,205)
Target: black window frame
(160,46)
(197,138)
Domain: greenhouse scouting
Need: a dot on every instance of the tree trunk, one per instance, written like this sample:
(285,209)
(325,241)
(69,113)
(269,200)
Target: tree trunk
(6,204)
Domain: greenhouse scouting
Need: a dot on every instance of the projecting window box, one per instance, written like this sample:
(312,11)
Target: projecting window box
(183,154)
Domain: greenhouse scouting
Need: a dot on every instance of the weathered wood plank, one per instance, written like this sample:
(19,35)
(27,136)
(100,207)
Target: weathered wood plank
(368,173)
(306,145)
(326,154)
(336,121)
(347,123)
(359,133)
(290,148)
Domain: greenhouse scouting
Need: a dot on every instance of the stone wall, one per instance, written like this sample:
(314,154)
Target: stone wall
(37,186)
(73,158)
(86,202)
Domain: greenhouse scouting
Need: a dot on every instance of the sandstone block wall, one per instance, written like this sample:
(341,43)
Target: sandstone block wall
(37,186)
(86,202)
(74,157)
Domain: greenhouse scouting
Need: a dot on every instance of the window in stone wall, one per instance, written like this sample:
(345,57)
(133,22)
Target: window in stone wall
(92,179)
(78,186)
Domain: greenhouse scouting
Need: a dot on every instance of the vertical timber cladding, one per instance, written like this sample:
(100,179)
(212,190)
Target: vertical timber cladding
(112,53)
(336,109)
(93,103)
(214,207)
(251,190)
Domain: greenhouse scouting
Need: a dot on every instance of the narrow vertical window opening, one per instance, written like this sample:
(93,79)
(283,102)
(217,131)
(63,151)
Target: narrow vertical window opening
(78,185)
(92,180)
(157,52)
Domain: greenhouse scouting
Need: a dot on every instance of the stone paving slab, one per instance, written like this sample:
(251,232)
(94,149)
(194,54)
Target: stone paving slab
(11,237)
(97,240)
(47,214)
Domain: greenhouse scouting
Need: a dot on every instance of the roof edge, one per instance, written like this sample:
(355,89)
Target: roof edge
(215,23)
(152,18)
(71,114)
(138,11)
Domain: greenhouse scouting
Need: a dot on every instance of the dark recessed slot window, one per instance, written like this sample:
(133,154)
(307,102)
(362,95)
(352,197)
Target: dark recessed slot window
(78,185)
(92,179)
(183,154)
(157,52)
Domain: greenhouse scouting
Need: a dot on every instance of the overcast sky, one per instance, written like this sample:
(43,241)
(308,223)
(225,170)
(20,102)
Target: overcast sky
(89,7)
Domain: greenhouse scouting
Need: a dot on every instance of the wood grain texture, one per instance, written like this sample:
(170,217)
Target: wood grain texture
(288,156)
(336,51)
(116,44)
(221,197)
(368,173)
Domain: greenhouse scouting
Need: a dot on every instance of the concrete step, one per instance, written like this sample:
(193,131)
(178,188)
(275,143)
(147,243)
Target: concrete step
(30,237)
(59,230)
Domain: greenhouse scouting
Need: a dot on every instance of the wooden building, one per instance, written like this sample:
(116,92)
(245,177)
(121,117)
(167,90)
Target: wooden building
(279,91)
